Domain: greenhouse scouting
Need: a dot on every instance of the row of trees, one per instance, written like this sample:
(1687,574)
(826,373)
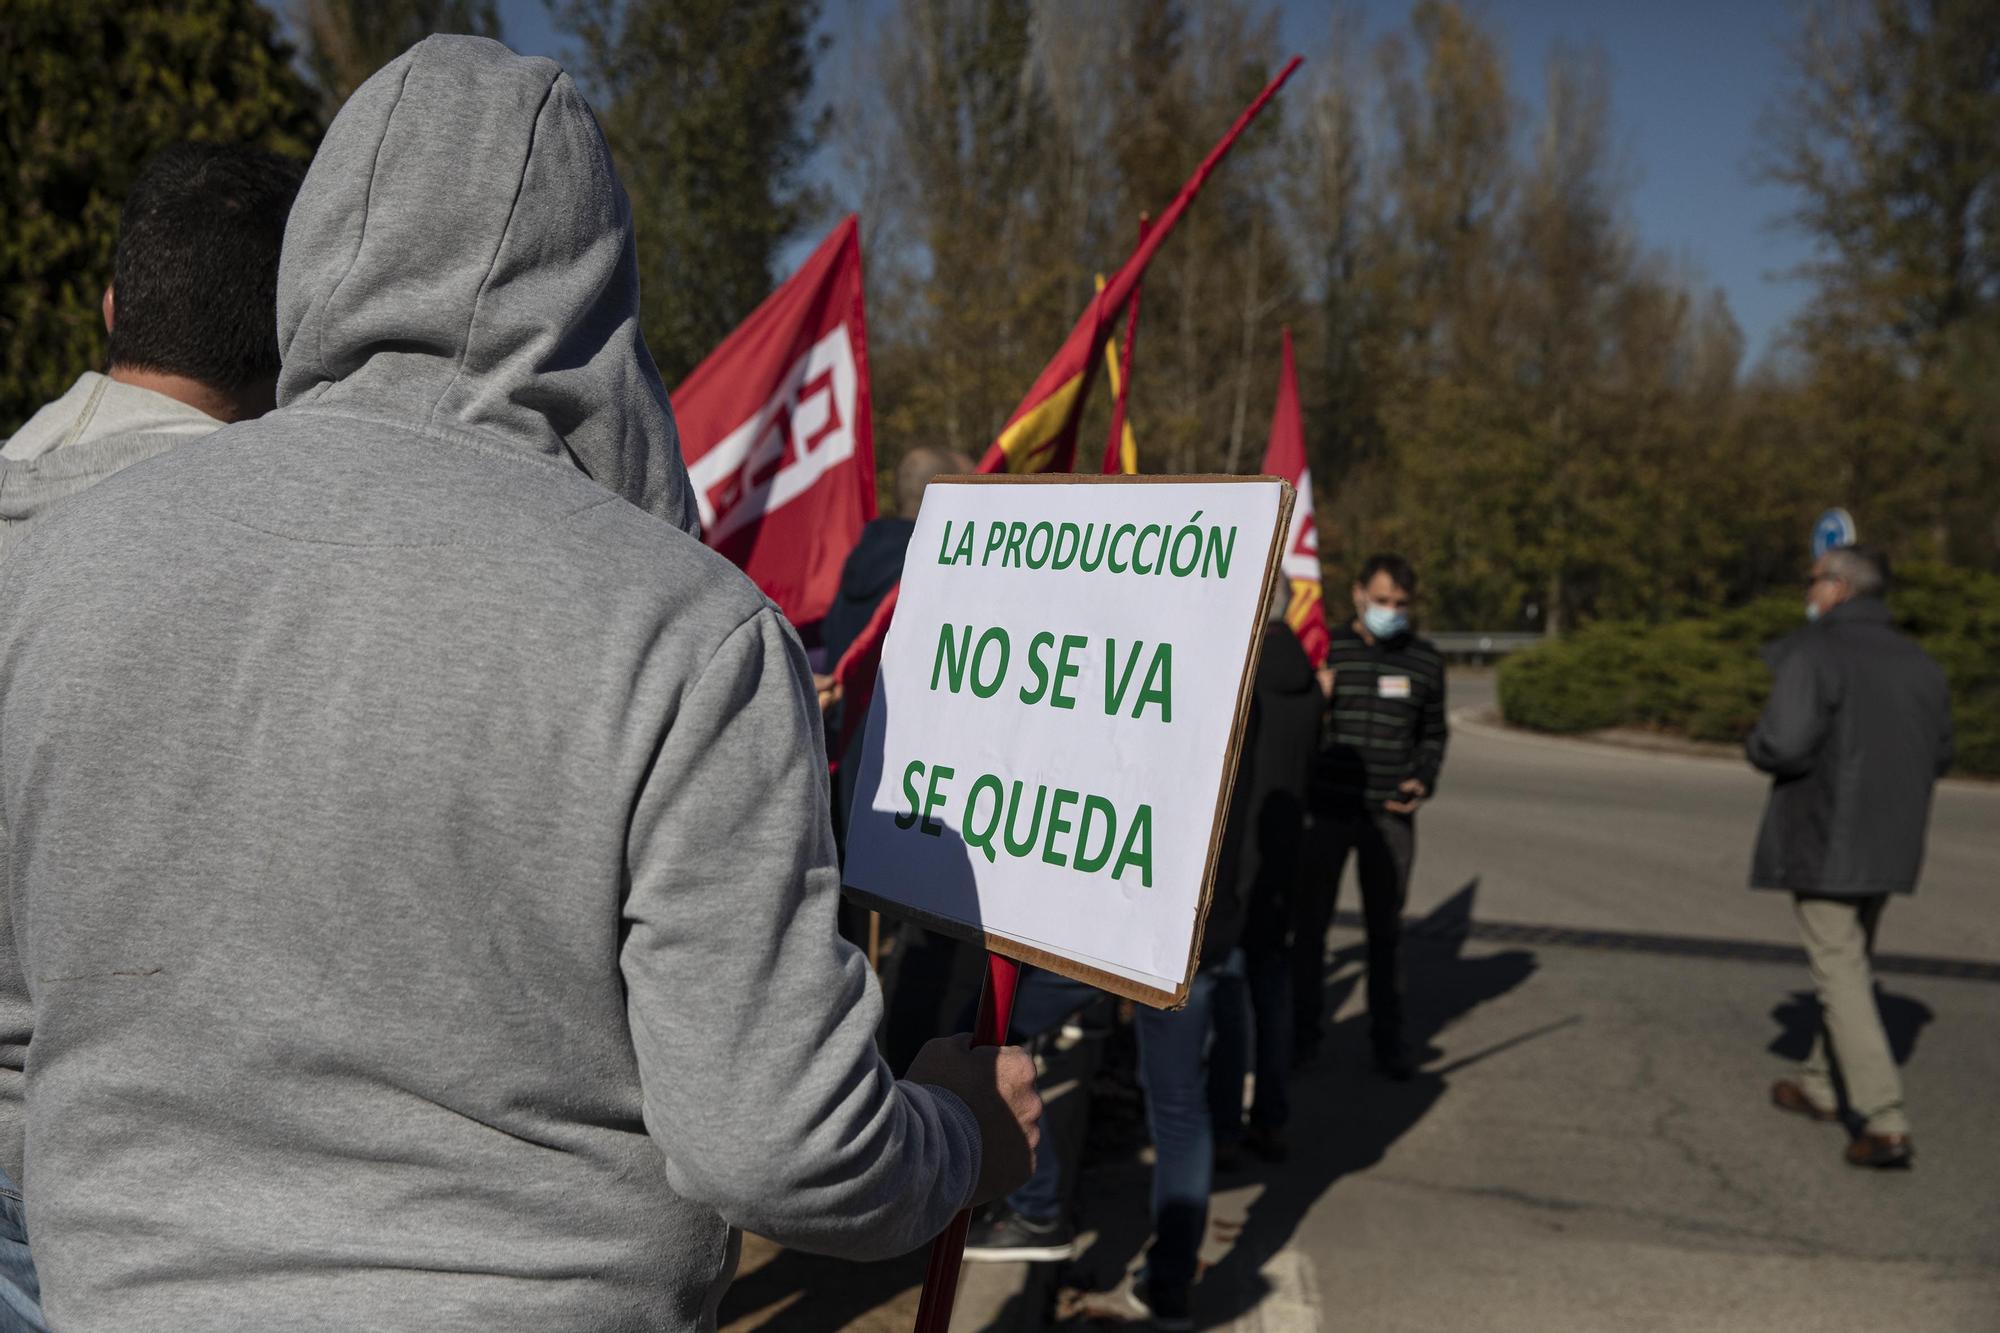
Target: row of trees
(1500,379)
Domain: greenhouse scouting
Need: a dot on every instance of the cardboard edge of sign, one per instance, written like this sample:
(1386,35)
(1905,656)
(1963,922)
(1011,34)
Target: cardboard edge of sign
(1111,982)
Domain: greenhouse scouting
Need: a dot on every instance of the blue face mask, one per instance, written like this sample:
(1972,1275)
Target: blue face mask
(1385,622)
(1812,611)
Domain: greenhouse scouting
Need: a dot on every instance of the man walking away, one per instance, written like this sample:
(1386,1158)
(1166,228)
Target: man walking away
(191,313)
(421,893)
(1856,734)
(1381,750)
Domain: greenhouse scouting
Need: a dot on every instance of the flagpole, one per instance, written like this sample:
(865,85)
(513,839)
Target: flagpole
(996,1012)
(1093,329)
(1114,443)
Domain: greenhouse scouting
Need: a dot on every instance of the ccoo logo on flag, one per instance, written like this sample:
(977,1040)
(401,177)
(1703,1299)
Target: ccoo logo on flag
(803,432)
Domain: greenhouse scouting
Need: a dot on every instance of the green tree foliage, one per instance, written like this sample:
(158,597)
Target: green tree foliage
(1889,137)
(345,41)
(1702,676)
(1006,150)
(88,90)
(970,154)
(704,103)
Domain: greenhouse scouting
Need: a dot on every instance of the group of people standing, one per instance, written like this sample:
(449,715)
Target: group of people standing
(1335,762)
(420,898)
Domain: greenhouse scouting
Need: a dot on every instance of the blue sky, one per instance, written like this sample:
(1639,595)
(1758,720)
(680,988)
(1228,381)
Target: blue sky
(1689,80)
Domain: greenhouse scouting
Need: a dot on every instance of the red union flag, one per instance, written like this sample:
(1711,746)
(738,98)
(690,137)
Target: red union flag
(776,430)
(1286,457)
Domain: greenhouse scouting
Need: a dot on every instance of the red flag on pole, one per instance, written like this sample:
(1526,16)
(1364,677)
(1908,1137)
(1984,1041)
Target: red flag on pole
(1041,435)
(778,436)
(1286,457)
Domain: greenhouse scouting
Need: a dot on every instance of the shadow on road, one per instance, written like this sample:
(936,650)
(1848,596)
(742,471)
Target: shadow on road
(1345,1117)
(809,1293)
(1903,1018)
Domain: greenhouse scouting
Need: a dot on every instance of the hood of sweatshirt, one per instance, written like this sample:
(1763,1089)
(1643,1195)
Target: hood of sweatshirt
(460,257)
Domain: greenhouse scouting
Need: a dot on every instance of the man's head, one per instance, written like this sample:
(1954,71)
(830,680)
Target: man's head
(919,468)
(194,291)
(1383,591)
(1843,574)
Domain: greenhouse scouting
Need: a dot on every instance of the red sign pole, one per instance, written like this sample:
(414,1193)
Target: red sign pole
(996,1010)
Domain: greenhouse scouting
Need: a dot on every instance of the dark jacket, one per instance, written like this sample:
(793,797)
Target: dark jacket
(1857,731)
(1385,725)
(871,569)
(1268,805)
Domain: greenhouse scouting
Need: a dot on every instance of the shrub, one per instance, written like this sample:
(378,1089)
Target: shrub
(1703,678)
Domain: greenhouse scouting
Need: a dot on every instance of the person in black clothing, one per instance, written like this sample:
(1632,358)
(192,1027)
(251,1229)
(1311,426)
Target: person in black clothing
(1268,814)
(1382,742)
(928,969)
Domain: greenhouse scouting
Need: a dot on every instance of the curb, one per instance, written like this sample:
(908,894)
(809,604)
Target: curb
(1486,721)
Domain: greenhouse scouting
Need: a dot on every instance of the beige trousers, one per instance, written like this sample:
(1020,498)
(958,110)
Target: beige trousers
(1839,937)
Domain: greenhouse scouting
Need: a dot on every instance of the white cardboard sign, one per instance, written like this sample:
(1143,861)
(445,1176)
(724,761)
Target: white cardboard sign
(1054,730)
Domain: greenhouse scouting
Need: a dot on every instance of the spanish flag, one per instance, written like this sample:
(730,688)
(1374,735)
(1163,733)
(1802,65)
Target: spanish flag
(1041,435)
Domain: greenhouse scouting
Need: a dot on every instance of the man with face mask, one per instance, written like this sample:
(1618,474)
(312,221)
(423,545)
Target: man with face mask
(1856,733)
(1382,742)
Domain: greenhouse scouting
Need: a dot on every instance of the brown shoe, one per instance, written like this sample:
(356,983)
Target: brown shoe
(1789,1096)
(1883,1151)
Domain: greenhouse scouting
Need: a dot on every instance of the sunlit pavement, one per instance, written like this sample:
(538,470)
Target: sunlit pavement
(1589,1145)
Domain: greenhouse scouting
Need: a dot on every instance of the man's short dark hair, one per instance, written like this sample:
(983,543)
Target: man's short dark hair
(1865,569)
(1398,569)
(197,271)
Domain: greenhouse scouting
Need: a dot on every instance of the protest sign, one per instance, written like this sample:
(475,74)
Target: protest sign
(1054,731)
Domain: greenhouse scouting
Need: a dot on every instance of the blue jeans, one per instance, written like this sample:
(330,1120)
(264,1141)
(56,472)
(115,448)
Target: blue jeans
(1042,1000)
(1173,1046)
(20,1289)
(1252,1013)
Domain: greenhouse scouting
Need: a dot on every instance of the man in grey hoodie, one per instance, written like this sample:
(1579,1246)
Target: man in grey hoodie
(420,889)
(193,333)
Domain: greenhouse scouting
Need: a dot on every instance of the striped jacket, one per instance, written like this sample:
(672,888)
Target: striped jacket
(1385,723)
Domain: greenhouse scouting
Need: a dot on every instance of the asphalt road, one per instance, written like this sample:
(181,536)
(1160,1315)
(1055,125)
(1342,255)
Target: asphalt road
(1589,1146)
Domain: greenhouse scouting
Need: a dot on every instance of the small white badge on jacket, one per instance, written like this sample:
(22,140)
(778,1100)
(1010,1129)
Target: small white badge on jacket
(1392,687)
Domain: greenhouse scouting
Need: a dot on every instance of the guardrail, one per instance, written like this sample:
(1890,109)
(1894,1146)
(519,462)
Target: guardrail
(1477,645)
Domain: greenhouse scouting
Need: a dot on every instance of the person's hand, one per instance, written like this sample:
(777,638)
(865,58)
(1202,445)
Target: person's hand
(1413,792)
(1324,675)
(829,690)
(998,1083)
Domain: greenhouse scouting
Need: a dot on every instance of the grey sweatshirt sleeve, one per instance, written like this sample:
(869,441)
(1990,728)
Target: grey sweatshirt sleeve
(754,1022)
(17,1022)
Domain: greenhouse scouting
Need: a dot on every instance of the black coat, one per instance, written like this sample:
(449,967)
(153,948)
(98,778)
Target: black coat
(872,568)
(1856,733)
(1268,805)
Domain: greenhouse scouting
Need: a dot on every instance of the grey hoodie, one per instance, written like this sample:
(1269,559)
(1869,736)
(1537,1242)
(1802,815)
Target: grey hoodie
(418,867)
(95,429)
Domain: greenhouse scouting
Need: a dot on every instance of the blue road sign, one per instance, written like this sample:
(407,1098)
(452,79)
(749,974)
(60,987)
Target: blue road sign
(1833,528)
